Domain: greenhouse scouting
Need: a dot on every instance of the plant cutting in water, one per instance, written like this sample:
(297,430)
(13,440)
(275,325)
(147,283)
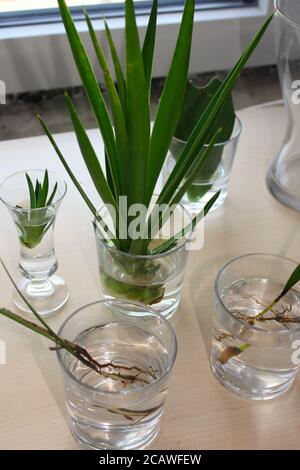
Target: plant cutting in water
(278,316)
(125,374)
(195,102)
(29,221)
(135,154)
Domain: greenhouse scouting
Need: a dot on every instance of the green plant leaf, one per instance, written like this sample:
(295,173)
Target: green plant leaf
(37,192)
(149,44)
(195,101)
(31,192)
(196,167)
(90,157)
(157,217)
(118,69)
(190,227)
(32,309)
(43,192)
(28,324)
(293,280)
(138,113)
(116,107)
(76,183)
(52,195)
(171,100)
(93,92)
(202,130)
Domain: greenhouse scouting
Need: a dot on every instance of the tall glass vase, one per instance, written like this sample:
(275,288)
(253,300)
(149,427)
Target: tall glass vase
(45,291)
(283,178)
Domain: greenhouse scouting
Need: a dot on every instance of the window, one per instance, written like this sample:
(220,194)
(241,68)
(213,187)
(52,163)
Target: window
(14,12)
(35,55)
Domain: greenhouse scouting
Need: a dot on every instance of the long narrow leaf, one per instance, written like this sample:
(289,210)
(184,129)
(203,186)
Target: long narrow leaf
(90,157)
(157,218)
(35,313)
(117,66)
(292,281)
(149,44)
(116,106)
(197,165)
(172,98)
(138,114)
(31,192)
(202,130)
(28,324)
(93,91)
(190,227)
(43,193)
(52,195)
(76,183)
(37,192)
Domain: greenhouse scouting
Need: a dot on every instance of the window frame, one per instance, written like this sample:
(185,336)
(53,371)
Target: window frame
(113,10)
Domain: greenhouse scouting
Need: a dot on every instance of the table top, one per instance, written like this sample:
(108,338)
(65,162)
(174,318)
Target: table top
(200,413)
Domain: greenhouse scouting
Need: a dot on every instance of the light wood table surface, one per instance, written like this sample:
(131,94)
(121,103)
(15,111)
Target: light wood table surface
(200,413)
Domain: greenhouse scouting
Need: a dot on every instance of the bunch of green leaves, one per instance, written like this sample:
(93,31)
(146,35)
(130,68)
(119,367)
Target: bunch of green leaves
(195,102)
(230,352)
(134,154)
(32,223)
(39,193)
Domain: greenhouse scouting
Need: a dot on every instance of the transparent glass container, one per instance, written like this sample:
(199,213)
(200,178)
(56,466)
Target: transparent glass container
(212,177)
(154,280)
(38,262)
(284,174)
(123,410)
(256,358)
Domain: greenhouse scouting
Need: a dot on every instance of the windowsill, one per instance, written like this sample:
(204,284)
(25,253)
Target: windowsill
(26,31)
(36,57)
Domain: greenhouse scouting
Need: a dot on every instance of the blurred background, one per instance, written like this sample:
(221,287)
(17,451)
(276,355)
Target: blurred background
(36,64)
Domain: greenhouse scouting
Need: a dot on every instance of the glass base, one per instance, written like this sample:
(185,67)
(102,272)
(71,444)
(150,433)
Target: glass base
(197,206)
(112,440)
(248,385)
(47,296)
(166,308)
(290,180)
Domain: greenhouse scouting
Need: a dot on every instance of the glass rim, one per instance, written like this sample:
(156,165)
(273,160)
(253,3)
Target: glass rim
(173,250)
(146,308)
(238,320)
(37,209)
(234,136)
(280,13)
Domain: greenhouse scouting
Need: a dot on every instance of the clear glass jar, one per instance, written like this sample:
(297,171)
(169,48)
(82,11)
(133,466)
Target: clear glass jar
(154,280)
(121,407)
(284,174)
(212,177)
(256,357)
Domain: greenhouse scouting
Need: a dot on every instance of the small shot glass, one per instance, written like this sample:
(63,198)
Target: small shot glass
(121,407)
(256,357)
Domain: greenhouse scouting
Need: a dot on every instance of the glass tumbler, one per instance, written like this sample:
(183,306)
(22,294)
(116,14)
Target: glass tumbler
(212,177)
(256,357)
(152,279)
(120,407)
